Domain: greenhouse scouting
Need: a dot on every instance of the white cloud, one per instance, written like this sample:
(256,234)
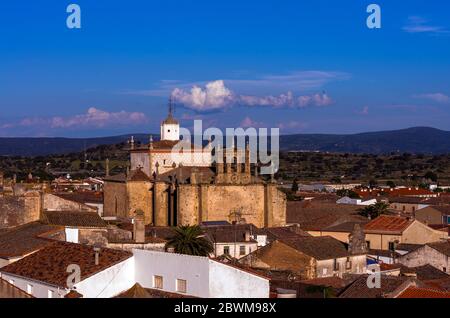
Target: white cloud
(216,96)
(247,122)
(436,97)
(93,118)
(417,24)
(292,126)
(364,111)
(294,81)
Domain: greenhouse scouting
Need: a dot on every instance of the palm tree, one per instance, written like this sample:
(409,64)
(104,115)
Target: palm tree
(190,240)
(375,210)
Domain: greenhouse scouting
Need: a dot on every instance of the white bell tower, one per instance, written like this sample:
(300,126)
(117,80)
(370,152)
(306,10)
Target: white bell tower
(170,128)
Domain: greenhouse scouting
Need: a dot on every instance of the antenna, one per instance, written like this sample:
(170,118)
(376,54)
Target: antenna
(171,106)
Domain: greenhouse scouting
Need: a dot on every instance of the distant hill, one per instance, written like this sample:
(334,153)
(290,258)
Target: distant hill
(47,146)
(412,140)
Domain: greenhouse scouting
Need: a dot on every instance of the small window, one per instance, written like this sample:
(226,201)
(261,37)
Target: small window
(158,282)
(181,286)
(348,263)
(444,269)
(368,245)
(50,293)
(242,250)
(335,265)
(226,250)
(30,289)
(391,246)
(168,130)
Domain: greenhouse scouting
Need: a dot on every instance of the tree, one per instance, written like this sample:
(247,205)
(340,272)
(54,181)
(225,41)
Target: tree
(190,240)
(326,291)
(431,176)
(375,210)
(390,184)
(347,193)
(294,188)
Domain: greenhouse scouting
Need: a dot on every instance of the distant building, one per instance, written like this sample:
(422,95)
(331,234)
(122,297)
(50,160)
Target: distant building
(308,258)
(436,254)
(347,200)
(436,214)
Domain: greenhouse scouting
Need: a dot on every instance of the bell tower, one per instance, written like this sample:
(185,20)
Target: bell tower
(170,128)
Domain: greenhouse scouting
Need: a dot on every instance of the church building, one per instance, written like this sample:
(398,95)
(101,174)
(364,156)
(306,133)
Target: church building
(189,190)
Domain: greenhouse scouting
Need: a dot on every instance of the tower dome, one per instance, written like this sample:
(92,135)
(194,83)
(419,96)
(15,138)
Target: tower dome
(170,127)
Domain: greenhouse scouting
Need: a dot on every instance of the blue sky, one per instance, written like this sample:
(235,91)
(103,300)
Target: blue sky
(303,66)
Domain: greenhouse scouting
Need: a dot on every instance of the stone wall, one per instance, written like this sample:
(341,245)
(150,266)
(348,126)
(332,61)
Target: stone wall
(254,203)
(115,199)
(426,255)
(140,198)
(19,210)
(55,203)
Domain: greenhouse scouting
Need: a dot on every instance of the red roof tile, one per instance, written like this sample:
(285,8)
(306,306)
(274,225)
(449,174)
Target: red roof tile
(50,264)
(415,292)
(387,224)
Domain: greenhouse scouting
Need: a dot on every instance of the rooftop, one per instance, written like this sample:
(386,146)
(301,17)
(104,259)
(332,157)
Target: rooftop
(10,291)
(442,247)
(74,219)
(416,292)
(388,224)
(26,239)
(319,247)
(49,265)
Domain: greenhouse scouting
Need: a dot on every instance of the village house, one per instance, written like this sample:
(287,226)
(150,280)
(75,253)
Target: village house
(407,204)
(436,254)
(108,273)
(385,232)
(434,215)
(308,257)
(79,227)
(347,200)
(18,242)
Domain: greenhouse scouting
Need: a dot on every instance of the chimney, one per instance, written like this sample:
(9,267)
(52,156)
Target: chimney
(247,235)
(107,167)
(97,254)
(139,227)
(247,159)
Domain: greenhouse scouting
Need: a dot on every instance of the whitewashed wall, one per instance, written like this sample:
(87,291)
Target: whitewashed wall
(205,278)
(229,282)
(110,282)
(40,289)
(171,267)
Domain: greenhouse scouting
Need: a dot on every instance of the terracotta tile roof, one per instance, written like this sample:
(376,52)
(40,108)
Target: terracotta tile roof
(10,291)
(415,292)
(285,232)
(26,239)
(50,264)
(73,294)
(444,209)
(74,219)
(319,247)
(318,215)
(360,289)
(229,234)
(424,273)
(441,284)
(394,192)
(388,224)
(82,196)
(138,176)
(442,247)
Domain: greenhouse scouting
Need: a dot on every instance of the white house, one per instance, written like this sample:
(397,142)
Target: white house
(55,270)
(347,200)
